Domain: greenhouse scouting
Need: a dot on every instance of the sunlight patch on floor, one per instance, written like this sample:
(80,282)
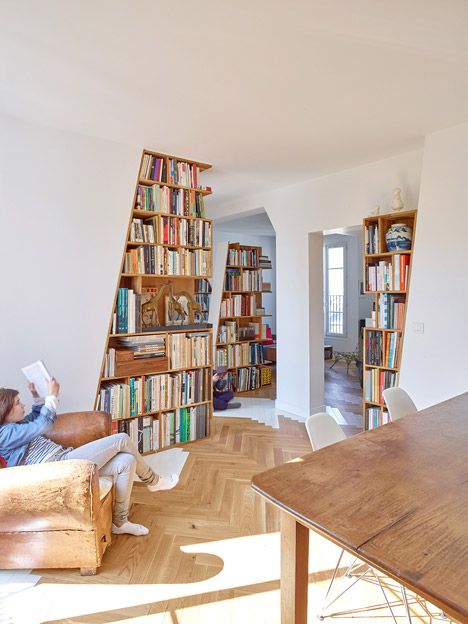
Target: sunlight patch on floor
(245,590)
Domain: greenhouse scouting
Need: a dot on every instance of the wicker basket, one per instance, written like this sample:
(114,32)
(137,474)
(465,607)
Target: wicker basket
(265,376)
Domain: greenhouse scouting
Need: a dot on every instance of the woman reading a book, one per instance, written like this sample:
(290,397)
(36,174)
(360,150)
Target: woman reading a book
(22,441)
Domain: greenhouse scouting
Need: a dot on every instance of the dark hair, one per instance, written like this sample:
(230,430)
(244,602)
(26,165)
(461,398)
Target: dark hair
(7,401)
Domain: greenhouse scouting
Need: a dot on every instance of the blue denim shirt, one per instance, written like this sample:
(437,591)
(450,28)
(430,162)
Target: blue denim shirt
(15,437)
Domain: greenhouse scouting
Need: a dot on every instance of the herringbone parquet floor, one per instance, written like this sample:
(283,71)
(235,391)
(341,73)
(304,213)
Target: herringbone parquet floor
(213,551)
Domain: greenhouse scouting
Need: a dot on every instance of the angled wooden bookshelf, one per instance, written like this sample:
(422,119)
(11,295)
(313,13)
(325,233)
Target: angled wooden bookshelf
(239,337)
(156,373)
(387,276)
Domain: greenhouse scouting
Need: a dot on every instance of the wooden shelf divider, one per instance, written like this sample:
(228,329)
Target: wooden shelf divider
(383,344)
(167,218)
(237,355)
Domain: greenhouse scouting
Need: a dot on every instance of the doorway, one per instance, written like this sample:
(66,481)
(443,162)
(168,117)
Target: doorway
(346,308)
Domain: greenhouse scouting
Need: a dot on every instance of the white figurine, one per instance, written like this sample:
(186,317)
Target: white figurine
(397,202)
(376,211)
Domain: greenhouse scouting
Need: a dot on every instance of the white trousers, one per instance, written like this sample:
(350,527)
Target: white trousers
(116,456)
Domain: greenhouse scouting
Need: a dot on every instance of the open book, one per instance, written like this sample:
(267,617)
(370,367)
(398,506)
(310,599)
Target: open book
(38,374)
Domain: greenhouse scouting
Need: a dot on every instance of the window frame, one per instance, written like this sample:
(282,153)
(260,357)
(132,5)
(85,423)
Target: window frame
(328,333)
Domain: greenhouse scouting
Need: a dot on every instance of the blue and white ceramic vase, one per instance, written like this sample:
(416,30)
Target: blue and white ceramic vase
(399,237)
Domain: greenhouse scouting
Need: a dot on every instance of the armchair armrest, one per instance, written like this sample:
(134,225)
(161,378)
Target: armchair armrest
(52,496)
(78,428)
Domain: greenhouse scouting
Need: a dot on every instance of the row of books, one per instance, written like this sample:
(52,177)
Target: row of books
(127,318)
(202,286)
(189,350)
(248,379)
(376,381)
(143,431)
(265,262)
(376,417)
(167,200)
(239,305)
(169,170)
(157,260)
(153,347)
(245,280)
(392,347)
(380,352)
(371,239)
(185,424)
(234,355)
(170,390)
(204,300)
(391,311)
(243,257)
(171,231)
(373,347)
(227,332)
(151,433)
(109,363)
(388,275)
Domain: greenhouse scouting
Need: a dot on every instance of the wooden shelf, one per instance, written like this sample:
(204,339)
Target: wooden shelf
(182,284)
(169,245)
(242,292)
(386,254)
(161,411)
(381,329)
(380,367)
(158,372)
(227,294)
(226,344)
(385,292)
(148,214)
(164,276)
(146,182)
(223,318)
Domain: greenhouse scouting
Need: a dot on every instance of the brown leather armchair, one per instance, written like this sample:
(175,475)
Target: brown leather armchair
(56,515)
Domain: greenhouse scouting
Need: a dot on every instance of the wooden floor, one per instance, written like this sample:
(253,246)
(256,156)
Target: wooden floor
(212,555)
(342,390)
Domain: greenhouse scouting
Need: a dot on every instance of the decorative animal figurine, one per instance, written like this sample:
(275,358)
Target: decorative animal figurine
(397,202)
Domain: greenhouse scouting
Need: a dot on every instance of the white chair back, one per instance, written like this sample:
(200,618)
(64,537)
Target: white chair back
(398,402)
(323,430)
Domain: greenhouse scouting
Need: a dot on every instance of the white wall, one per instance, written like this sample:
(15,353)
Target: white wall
(268,245)
(65,201)
(326,203)
(434,363)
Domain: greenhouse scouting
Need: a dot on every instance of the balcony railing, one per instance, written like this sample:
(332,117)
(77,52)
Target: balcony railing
(335,314)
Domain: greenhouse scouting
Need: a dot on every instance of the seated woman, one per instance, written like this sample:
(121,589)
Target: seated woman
(22,442)
(222,398)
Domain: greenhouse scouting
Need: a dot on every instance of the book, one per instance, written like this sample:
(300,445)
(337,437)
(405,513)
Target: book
(38,374)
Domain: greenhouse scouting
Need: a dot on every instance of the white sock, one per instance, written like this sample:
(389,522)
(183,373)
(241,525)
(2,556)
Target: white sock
(164,483)
(131,528)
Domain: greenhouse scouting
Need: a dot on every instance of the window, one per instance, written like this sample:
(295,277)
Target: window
(335,290)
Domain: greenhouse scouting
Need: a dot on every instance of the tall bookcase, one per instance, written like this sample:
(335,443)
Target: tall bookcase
(156,373)
(240,329)
(387,276)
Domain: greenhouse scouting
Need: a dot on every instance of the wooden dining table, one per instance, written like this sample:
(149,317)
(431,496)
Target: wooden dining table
(396,497)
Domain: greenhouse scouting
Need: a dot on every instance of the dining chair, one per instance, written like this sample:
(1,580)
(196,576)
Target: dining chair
(398,402)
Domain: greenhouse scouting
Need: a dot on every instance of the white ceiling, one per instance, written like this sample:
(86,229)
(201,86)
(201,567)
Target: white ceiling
(271,92)
(257,223)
